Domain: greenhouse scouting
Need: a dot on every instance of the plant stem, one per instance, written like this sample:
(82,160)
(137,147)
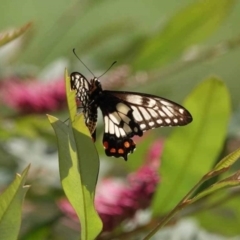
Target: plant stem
(177,208)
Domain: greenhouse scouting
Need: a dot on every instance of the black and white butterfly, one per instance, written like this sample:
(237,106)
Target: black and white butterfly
(125,114)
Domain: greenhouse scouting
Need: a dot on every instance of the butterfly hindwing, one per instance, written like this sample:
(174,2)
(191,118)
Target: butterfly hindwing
(119,126)
(118,146)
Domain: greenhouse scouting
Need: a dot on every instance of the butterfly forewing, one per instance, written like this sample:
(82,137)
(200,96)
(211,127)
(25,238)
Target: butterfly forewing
(81,85)
(150,111)
(125,114)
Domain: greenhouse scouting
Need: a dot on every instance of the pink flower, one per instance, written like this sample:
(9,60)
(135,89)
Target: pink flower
(117,200)
(154,153)
(32,96)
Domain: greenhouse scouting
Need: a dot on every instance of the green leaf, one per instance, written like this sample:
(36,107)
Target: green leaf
(231,181)
(79,167)
(223,165)
(13,34)
(191,151)
(228,161)
(190,26)
(10,207)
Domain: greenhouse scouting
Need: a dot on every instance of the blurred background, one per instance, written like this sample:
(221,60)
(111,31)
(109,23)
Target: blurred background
(165,48)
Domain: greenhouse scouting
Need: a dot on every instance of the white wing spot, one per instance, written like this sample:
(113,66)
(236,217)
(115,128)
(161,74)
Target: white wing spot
(137,116)
(126,128)
(165,109)
(123,134)
(153,113)
(106,124)
(162,114)
(124,118)
(134,99)
(151,124)
(111,127)
(175,120)
(151,103)
(165,103)
(167,120)
(135,129)
(123,108)
(77,84)
(159,121)
(115,118)
(181,110)
(145,113)
(117,131)
(142,126)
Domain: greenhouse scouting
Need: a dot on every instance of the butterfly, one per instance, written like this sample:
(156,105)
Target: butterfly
(125,114)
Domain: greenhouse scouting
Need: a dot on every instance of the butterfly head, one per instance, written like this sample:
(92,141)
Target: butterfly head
(95,85)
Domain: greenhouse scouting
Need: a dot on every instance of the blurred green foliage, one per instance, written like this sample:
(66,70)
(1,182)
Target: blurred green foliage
(205,136)
(169,46)
(11,204)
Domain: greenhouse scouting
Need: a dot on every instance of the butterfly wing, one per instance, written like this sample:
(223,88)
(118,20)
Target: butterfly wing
(127,114)
(82,87)
(151,111)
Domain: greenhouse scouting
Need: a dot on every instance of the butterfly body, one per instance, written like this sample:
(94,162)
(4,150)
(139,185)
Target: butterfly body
(125,114)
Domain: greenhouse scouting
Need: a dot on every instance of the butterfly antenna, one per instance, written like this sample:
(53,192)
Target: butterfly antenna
(82,62)
(108,69)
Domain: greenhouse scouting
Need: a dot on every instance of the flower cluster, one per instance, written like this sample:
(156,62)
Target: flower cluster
(33,96)
(124,198)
